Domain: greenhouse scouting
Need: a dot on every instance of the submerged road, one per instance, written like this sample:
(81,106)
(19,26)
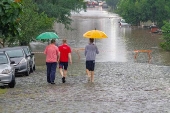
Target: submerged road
(121,85)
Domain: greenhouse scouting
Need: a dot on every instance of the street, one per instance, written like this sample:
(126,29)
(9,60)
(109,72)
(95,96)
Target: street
(121,85)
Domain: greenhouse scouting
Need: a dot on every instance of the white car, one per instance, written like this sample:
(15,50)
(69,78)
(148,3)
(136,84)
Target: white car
(123,23)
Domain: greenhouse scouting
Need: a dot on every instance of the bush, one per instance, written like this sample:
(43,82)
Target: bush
(166,36)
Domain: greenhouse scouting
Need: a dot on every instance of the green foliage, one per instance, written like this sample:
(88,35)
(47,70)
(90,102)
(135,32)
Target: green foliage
(166,36)
(128,9)
(32,23)
(60,9)
(9,13)
(22,23)
(112,3)
(136,11)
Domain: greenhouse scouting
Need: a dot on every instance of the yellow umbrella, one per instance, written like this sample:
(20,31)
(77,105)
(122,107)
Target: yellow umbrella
(95,34)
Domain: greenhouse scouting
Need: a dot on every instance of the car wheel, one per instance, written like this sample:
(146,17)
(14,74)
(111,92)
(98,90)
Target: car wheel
(34,67)
(27,73)
(28,70)
(12,83)
(31,69)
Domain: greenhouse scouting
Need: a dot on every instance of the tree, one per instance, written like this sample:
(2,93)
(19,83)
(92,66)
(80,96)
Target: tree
(32,22)
(128,9)
(166,36)
(61,9)
(9,16)
(136,11)
(112,3)
(162,12)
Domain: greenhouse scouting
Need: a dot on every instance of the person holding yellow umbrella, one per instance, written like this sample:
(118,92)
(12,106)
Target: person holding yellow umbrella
(91,50)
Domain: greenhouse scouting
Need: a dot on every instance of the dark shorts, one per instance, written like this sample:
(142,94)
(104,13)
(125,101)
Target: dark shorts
(90,65)
(63,65)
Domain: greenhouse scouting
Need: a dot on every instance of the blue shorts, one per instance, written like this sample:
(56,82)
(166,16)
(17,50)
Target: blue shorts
(63,65)
(90,65)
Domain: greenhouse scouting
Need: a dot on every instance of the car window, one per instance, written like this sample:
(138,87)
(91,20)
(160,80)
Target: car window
(27,51)
(3,59)
(122,20)
(15,53)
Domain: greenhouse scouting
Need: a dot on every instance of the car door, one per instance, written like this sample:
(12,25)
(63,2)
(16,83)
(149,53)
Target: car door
(28,55)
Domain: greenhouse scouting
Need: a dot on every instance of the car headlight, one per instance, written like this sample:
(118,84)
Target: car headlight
(6,71)
(23,61)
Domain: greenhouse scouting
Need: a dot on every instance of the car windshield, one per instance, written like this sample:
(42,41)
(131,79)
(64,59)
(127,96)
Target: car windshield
(15,53)
(26,51)
(122,20)
(3,59)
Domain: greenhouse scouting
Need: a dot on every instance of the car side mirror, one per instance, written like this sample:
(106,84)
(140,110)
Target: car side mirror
(28,55)
(12,62)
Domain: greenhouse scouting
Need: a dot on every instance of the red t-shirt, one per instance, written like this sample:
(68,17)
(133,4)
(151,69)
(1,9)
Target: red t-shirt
(64,51)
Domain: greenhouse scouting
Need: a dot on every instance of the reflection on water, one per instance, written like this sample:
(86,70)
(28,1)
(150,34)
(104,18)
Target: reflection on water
(119,45)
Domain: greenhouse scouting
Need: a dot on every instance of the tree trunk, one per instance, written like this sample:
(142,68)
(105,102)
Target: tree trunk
(3,43)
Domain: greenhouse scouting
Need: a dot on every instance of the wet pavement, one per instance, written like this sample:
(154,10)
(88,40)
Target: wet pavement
(118,88)
(121,85)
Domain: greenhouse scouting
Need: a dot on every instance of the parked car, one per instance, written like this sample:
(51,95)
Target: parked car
(22,60)
(100,3)
(91,4)
(31,57)
(104,5)
(7,70)
(95,2)
(123,23)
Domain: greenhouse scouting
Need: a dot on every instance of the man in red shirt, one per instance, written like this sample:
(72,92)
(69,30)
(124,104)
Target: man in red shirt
(52,56)
(65,55)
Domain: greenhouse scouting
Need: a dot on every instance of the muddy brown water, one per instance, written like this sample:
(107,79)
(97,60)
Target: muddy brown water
(121,85)
(119,45)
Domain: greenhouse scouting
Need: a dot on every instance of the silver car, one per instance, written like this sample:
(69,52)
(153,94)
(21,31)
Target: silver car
(7,70)
(21,59)
(123,23)
(30,56)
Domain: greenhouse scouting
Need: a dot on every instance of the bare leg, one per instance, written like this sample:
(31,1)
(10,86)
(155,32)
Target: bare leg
(92,76)
(61,72)
(65,73)
(87,72)
(88,75)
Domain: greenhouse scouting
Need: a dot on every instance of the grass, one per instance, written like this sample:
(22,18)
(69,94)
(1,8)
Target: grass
(2,91)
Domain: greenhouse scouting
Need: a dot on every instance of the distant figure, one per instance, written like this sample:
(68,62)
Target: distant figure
(65,56)
(52,55)
(90,52)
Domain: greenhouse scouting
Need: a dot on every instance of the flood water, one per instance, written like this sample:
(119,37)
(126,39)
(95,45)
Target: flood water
(119,45)
(120,86)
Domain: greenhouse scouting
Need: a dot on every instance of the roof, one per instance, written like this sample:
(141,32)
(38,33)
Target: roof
(2,52)
(22,46)
(86,0)
(10,48)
